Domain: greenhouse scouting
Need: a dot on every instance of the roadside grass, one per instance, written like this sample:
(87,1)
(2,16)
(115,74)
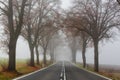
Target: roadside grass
(21,66)
(113,75)
(0,68)
(7,75)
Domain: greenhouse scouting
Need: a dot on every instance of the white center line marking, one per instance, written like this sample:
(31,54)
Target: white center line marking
(63,75)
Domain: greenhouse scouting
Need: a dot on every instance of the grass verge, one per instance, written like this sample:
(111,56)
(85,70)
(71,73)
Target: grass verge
(22,69)
(113,75)
(5,75)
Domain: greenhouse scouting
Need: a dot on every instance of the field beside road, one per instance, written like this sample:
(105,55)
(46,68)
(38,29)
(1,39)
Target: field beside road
(111,71)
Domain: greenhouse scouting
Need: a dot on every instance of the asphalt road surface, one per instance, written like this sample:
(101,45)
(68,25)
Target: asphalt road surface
(66,70)
(75,73)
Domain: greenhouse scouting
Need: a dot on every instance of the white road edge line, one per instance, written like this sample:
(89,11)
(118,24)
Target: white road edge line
(92,72)
(33,72)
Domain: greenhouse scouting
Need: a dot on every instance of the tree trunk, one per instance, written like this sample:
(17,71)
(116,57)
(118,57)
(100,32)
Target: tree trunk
(37,55)
(83,53)
(52,56)
(32,63)
(44,57)
(52,53)
(74,56)
(96,56)
(12,54)
(74,50)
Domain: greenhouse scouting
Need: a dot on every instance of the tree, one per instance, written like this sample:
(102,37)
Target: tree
(97,19)
(54,42)
(52,49)
(73,48)
(37,15)
(14,13)
(77,38)
(51,46)
(84,41)
(72,41)
(44,43)
(31,28)
(47,35)
(37,54)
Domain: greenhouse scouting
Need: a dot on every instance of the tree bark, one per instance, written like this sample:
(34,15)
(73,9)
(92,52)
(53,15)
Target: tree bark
(74,50)
(12,54)
(37,55)
(32,63)
(52,56)
(83,53)
(74,56)
(44,58)
(96,56)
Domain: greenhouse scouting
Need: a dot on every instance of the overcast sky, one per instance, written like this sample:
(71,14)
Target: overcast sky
(109,52)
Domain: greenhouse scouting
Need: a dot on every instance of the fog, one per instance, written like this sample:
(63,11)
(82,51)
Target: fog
(63,54)
(109,53)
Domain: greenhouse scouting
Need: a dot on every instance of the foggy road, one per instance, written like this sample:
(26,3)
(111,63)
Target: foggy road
(62,71)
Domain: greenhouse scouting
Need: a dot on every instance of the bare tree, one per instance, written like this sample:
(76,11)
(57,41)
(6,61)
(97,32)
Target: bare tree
(72,40)
(85,39)
(78,38)
(37,15)
(51,47)
(30,28)
(54,42)
(74,49)
(13,10)
(97,19)
(44,42)
(50,27)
